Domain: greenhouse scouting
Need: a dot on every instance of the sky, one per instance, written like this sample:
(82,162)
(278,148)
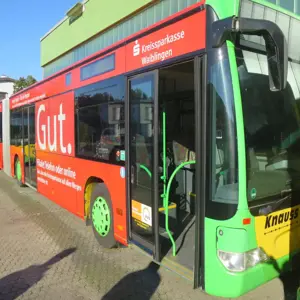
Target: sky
(22,24)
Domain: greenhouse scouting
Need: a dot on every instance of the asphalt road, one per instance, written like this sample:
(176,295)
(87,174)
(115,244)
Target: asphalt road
(48,253)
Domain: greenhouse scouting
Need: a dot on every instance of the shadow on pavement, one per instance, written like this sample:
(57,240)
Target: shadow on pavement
(291,284)
(137,285)
(17,283)
(290,277)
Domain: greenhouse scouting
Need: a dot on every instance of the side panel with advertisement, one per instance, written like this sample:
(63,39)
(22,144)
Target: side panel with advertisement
(27,98)
(183,37)
(55,125)
(278,233)
(54,119)
(63,180)
(60,176)
(57,179)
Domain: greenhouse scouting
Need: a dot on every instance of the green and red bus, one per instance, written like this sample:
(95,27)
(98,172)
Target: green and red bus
(180,139)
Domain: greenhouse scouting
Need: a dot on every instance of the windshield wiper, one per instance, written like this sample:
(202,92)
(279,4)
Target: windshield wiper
(271,207)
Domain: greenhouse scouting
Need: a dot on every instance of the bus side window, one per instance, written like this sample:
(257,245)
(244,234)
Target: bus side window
(100,123)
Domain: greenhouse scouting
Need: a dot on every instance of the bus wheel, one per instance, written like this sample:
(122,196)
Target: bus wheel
(102,216)
(18,171)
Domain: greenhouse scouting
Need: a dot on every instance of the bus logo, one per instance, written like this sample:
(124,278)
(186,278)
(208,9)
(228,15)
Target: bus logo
(273,220)
(136,48)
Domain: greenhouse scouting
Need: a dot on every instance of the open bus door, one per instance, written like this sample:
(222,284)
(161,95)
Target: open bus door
(29,146)
(143,161)
(164,210)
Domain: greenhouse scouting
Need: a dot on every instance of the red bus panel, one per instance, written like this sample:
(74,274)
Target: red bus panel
(16,151)
(63,180)
(1,145)
(182,37)
(61,176)
(55,125)
(57,85)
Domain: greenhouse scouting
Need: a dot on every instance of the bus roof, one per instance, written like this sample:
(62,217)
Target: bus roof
(112,47)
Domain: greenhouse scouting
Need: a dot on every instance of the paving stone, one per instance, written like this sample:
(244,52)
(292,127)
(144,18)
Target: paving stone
(48,253)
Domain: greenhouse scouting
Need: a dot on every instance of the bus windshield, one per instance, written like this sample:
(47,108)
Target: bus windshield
(272,135)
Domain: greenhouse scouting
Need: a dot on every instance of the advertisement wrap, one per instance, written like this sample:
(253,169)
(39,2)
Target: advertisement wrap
(278,232)
(26,99)
(60,175)
(171,41)
(55,135)
(55,125)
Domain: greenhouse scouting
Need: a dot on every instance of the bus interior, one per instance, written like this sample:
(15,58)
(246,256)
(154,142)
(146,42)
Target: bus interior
(177,102)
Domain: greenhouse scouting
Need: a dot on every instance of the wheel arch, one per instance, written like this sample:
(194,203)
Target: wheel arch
(117,217)
(88,189)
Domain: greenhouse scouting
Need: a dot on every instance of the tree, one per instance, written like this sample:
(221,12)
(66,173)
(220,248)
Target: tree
(23,82)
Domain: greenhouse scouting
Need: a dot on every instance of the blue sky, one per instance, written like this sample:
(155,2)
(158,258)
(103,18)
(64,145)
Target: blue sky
(22,24)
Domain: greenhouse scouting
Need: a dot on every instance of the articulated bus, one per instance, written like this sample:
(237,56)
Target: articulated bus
(181,140)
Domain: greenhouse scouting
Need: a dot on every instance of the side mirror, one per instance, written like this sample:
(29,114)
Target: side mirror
(276,45)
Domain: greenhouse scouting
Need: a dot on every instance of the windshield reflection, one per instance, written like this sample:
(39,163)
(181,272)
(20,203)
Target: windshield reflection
(222,158)
(272,135)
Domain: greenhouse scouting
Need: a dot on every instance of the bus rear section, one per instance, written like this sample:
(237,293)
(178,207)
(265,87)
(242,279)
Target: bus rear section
(151,142)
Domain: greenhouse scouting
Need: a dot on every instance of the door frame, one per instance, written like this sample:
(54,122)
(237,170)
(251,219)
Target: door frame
(28,180)
(153,249)
(201,124)
(25,112)
(201,130)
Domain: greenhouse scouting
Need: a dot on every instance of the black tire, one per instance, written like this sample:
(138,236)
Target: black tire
(107,241)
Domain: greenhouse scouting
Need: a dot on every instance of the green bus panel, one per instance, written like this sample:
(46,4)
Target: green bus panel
(224,9)
(233,285)
(231,235)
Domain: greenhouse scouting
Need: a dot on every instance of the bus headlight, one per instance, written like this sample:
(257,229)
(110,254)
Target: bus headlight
(239,262)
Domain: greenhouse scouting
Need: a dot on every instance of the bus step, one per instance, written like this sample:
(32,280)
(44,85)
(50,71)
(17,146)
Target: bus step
(163,232)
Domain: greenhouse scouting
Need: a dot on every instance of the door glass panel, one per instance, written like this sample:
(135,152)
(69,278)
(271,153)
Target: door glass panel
(31,130)
(141,99)
(25,145)
(29,145)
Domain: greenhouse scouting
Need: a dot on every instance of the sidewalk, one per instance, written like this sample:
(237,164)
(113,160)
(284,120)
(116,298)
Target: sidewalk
(47,253)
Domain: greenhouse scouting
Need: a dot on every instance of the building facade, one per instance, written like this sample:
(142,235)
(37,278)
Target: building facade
(6,86)
(6,90)
(90,27)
